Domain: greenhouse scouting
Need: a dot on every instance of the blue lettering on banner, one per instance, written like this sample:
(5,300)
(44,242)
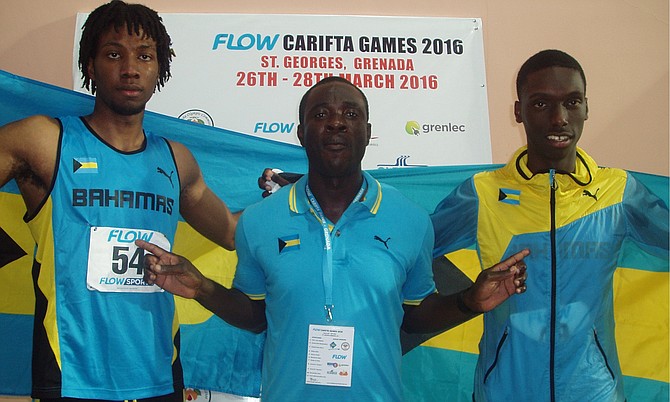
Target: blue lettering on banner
(129,236)
(339,357)
(273,127)
(245,41)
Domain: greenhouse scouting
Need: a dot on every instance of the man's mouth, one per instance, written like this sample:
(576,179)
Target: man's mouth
(558,138)
(335,146)
(130,91)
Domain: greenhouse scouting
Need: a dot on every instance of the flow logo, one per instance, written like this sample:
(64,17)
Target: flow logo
(273,127)
(245,41)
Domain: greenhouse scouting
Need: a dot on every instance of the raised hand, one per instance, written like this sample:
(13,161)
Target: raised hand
(496,284)
(170,271)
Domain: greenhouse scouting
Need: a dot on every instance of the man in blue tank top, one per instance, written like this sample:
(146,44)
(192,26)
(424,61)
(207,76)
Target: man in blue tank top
(92,185)
(343,264)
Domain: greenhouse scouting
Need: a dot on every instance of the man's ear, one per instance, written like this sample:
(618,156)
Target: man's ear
(301,135)
(517,112)
(586,102)
(90,70)
(369,134)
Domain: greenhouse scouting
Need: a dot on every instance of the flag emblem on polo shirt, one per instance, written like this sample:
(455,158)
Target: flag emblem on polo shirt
(509,196)
(84,165)
(289,243)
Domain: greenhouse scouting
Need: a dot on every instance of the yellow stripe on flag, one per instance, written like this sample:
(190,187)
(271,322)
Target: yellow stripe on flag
(16,285)
(641,316)
(465,337)
(213,261)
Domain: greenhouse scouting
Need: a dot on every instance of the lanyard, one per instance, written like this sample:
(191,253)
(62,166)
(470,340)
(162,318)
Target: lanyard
(327,263)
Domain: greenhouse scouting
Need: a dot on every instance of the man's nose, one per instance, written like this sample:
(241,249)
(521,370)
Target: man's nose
(130,67)
(336,122)
(559,115)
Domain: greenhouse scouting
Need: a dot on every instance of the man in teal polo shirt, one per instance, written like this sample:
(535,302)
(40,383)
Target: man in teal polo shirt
(332,266)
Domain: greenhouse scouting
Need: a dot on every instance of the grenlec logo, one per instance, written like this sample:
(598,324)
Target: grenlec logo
(413,127)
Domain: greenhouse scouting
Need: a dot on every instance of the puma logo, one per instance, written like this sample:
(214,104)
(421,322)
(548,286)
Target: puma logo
(161,171)
(383,241)
(588,194)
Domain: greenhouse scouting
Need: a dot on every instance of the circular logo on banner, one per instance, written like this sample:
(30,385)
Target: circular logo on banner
(197,116)
(412,127)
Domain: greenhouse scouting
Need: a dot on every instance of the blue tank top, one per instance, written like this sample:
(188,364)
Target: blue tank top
(109,334)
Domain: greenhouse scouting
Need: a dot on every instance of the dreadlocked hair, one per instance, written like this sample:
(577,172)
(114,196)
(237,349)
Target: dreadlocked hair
(138,19)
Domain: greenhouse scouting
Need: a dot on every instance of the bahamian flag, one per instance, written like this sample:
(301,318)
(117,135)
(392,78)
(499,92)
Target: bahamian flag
(221,358)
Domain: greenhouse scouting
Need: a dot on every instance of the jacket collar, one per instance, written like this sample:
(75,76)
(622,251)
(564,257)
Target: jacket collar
(583,174)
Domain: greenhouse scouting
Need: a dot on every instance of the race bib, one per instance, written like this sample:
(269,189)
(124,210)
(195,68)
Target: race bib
(116,264)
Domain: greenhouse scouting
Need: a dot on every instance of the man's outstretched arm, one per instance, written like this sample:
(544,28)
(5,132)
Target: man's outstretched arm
(492,287)
(179,276)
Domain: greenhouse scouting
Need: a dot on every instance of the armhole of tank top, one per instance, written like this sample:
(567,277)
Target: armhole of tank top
(28,217)
(174,160)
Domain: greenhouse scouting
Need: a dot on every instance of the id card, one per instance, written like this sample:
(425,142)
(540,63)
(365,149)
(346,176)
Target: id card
(330,352)
(116,264)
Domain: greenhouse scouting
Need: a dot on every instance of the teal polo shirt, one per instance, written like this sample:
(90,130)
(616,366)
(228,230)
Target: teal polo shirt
(381,258)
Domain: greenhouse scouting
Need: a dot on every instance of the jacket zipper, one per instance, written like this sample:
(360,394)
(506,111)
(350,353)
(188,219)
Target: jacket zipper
(495,362)
(552,234)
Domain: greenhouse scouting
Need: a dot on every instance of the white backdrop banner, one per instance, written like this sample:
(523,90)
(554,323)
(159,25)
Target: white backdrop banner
(424,78)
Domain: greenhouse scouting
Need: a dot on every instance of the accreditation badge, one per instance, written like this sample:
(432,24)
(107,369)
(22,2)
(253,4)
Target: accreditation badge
(116,264)
(330,353)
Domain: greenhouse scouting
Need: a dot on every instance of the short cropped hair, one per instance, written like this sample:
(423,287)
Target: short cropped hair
(137,19)
(303,101)
(545,59)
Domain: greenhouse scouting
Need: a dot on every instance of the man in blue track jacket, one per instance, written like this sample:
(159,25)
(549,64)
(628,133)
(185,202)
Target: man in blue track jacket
(555,342)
